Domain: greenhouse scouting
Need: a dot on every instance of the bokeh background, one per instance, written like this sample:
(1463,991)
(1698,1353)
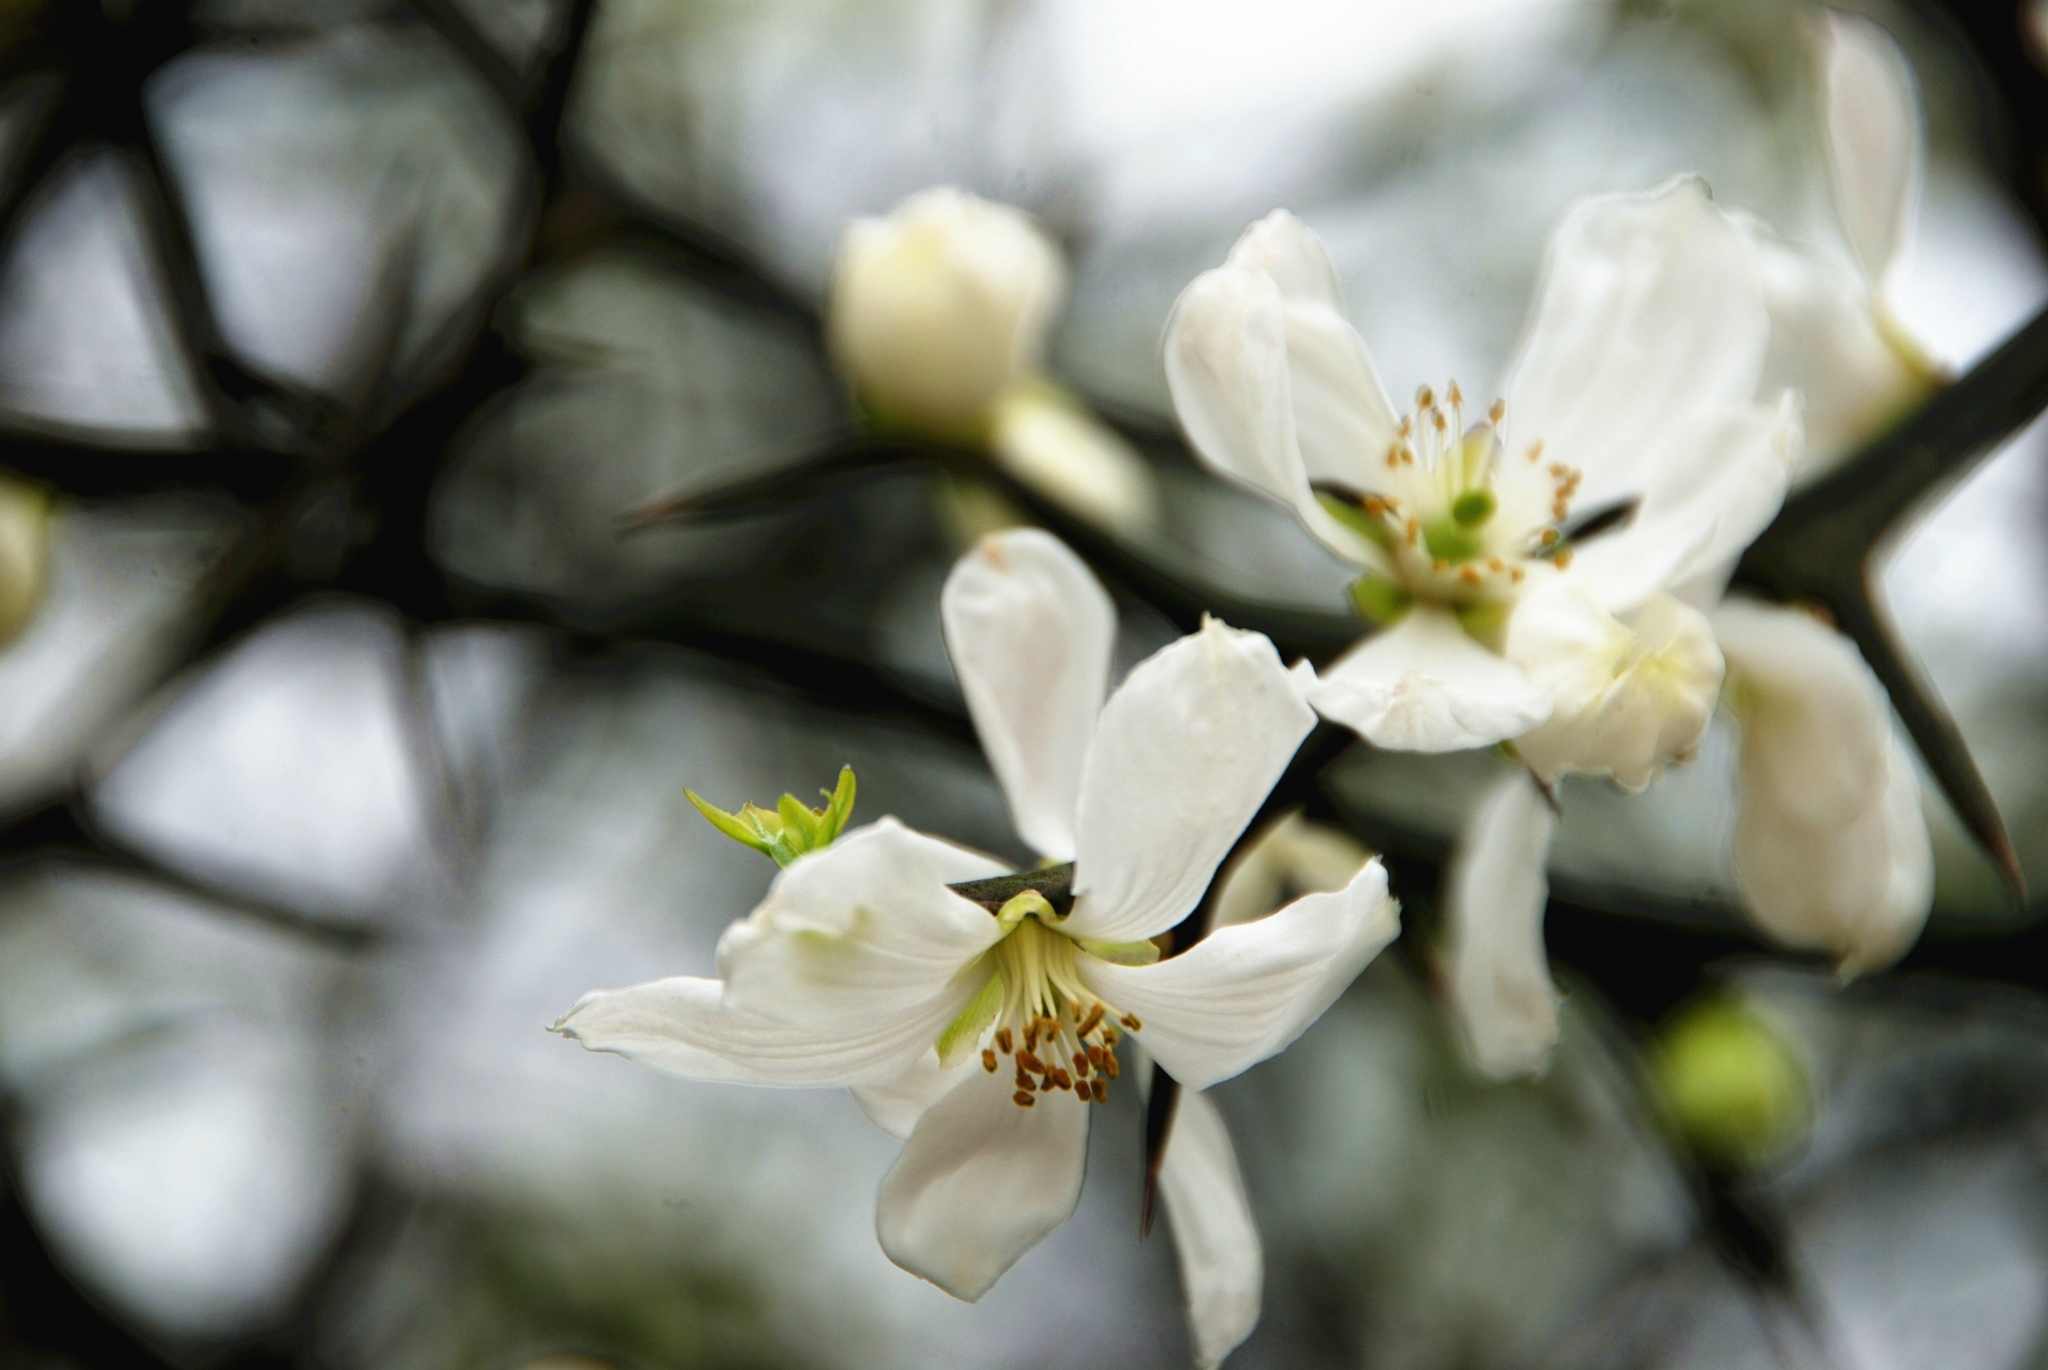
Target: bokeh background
(348,749)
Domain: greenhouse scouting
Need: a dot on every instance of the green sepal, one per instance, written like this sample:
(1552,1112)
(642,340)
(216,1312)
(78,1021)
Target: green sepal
(789,829)
(1380,600)
(1353,516)
(963,1032)
(1121,953)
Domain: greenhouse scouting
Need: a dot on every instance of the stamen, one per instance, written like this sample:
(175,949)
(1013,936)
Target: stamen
(1023,1100)
(1028,1059)
(1025,1082)
(1469,574)
(1498,412)
(1003,1040)
(1081,1066)
(988,1060)
(1535,451)
(1130,1020)
(1099,1090)
(1425,398)
(1088,1023)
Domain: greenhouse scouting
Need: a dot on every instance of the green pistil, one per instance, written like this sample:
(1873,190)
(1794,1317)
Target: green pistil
(1450,540)
(1473,508)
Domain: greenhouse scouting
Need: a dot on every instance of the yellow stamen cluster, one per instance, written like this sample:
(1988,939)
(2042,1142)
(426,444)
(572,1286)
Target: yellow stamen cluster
(1435,513)
(1059,1036)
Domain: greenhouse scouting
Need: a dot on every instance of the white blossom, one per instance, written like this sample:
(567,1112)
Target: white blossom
(973,1031)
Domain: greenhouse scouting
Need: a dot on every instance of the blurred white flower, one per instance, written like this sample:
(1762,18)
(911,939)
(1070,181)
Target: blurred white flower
(939,306)
(1525,567)
(861,968)
(1834,337)
(938,315)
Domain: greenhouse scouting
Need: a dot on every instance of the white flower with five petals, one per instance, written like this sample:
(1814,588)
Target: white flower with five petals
(1526,567)
(982,1025)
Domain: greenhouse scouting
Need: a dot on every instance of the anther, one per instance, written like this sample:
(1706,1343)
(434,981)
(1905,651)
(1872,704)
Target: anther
(1061,1079)
(1563,558)
(1130,1020)
(1549,536)
(1454,394)
(1023,1100)
(1025,1082)
(1515,575)
(1095,1055)
(1031,1038)
(1110,1067)
(1081,1066)
(1099,1090)
(1498,412)
(1495,565)
(1469,574)
(1003,1040)
(1535,451)
(988,1060)
(1437,417)
(1094,1017)
(1425,398)
(1375,505)
(1406,426)
(1413,531)
(1027,1059)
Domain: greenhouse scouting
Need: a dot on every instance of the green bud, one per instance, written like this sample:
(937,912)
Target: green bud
(1380,599)
(1473,508)
(789,829)
(1446,537)
(1733,1087)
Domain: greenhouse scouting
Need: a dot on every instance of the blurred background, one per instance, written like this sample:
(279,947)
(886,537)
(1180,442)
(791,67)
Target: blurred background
(347,746)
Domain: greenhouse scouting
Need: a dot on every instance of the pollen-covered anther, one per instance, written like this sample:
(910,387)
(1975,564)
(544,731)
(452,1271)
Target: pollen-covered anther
(1497,412)
(1130,1020)
(1023,1100)
(1027,1059)
(1563,558)
(1469,574)
(988,1060)
(1060,1079)
(1098,1090)
(1003,1041)
(1081,1066)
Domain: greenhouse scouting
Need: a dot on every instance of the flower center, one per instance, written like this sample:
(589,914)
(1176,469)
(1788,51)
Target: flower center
(1057,1034)
(1458,519)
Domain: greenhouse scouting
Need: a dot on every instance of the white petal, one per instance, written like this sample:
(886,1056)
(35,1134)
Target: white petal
(937,307)
(1284,248)
(1030,631)
(1064,453)
(1873,138)
(1816,726)
(1244,992)
(1827,344)
(1222,1264)
(682,1027)
(895,1105)
(1342,417)
(1628,698)
(1724,484)
(1498,976)
(981,1183)
(1650,322)
(1227,353)
(1184,755)
(1831,850)
(863,930)
(1424,685)
(1226,366)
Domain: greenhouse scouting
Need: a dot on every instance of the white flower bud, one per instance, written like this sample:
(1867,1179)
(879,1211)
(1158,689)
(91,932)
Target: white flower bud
(939,306)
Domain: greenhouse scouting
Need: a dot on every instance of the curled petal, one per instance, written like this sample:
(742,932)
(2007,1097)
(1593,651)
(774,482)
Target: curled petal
(1649,324)
(1496,971)
(681,1026)
(1424,685)
(1184,755)
(1286,250)
(1873,138)
(1831,850)
(1628,699)
(1246,991)
(1222,1264)
(1030,631)
(981,1182)
(864,929)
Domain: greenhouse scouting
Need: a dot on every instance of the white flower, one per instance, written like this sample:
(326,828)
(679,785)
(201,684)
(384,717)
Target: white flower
(1631,400)
(938,315)
(970,1020)
(1834,338)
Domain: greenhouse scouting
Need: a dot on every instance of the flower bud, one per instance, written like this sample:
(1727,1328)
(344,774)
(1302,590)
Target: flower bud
(939,306)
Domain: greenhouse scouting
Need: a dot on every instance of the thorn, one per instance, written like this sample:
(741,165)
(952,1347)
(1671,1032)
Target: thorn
(1159,1112)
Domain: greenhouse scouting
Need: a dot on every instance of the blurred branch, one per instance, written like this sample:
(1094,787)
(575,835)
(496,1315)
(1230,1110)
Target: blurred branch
(1827,546)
